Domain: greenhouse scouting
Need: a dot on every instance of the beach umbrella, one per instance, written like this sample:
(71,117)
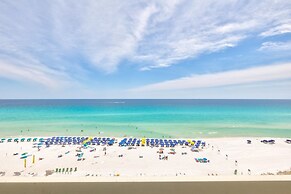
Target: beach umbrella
(23,157)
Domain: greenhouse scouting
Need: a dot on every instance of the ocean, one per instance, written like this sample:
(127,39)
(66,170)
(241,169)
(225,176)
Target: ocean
(146,118)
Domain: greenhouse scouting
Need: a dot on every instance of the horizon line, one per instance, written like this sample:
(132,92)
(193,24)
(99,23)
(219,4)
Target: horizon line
(145,99)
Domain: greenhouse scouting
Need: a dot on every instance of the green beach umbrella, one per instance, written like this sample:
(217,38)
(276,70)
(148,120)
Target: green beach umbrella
(23,157)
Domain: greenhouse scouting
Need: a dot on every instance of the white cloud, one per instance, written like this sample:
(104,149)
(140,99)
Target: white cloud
(65,36)
(234,77)
(70,37)
(280,29)
(199,27)
(276,46)
(34,73)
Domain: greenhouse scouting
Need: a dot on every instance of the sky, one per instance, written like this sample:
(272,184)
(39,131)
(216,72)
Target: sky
(145,49)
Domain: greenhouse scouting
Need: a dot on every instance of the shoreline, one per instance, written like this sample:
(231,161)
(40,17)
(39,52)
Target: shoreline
(140,137)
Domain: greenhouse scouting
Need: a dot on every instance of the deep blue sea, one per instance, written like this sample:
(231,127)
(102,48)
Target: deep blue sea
(149,118)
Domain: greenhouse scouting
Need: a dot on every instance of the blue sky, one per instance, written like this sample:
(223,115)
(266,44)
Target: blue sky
(145,49)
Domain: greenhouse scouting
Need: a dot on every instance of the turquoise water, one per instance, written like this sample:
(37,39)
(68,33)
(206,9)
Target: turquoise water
(150,118)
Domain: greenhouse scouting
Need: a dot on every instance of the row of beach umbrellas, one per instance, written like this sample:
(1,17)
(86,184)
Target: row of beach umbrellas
(79,140)
(64,140)
(159,142)
(22,139)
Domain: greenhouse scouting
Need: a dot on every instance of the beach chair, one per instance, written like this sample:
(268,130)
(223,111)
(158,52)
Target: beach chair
(271,141)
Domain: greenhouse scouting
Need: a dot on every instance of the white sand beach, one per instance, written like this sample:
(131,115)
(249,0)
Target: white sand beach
(225,157)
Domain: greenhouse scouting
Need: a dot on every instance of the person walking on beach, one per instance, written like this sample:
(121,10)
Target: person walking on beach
(236,162)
